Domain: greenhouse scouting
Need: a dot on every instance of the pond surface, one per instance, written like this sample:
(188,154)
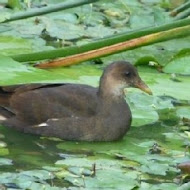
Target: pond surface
(145,158)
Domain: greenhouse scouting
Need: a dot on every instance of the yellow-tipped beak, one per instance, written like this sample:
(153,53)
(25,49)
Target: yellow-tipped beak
(141,85)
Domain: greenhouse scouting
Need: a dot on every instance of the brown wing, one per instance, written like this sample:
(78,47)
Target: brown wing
(27,87)
(7,91)
(38,103)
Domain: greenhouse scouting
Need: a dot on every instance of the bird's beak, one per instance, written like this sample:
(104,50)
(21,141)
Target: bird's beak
(141,85)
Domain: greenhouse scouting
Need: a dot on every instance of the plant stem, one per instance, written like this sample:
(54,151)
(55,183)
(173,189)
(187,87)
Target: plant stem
(183,14)
(180,8)
(128,45)
(48,9)
(52,54)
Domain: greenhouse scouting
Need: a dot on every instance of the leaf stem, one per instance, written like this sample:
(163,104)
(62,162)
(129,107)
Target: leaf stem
(127,45)
(180,8)
(107,41)
(183,14)
(46,10)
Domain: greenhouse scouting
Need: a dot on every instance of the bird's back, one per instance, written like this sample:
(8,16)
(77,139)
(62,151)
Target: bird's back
(36,103)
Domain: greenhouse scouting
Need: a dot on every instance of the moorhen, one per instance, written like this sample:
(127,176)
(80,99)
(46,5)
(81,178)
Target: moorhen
(73,111)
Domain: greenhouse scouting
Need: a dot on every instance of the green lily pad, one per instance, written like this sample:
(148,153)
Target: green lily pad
(105,170)
(185,186)
(142,117)
(179,65)
(4,151)
(41,174)
(183,112)
(144,107)
(118,181)
(28,179)
(168,186)
(162,85)
(5,161)
(11,45)
(155,168)
(4,15)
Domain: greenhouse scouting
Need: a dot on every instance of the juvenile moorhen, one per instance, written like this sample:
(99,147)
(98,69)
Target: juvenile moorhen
(73,111)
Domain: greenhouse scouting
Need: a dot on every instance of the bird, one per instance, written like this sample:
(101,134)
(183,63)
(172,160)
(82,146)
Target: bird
(73,112)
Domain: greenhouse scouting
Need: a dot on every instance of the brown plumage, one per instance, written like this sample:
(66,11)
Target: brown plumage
(73,111)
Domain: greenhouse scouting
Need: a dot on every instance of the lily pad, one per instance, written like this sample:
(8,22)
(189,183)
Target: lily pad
(4,151)
(185,186)
(184,112)
(40,174)
(10,45)
(179,65)
(155,168)
(168,186)
(105,170)
(5,161)
(27,180)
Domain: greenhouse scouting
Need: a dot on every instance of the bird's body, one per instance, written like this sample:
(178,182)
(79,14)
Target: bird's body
(71,111)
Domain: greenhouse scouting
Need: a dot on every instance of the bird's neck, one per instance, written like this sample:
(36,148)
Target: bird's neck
(110,89)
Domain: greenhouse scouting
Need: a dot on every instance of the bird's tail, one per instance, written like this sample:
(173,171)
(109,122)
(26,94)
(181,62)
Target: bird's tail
(5,112)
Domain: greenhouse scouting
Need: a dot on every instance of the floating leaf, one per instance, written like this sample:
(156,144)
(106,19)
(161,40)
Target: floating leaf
(155,168)
(168,186)
(184,112)
(5,161)
(179,65)
(185,186)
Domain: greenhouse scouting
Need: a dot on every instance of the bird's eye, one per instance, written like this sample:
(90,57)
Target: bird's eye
(127,74)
